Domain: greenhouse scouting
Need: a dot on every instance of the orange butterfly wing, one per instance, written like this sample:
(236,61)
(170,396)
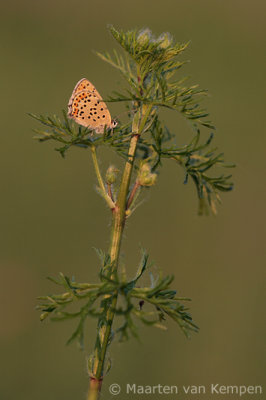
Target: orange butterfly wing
(87,108)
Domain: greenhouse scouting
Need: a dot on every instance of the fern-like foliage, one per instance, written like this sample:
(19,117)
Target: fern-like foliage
(162,299)
(151,67)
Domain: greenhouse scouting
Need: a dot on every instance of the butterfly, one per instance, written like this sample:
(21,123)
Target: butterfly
(86,107)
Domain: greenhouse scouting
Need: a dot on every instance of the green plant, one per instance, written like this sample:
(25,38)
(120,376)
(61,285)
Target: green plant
(149,66)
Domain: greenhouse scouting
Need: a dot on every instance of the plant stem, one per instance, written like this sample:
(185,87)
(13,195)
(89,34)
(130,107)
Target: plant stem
(97,169)
(133,193)
(109,191)
(108,305)
(108,199)
(95,388)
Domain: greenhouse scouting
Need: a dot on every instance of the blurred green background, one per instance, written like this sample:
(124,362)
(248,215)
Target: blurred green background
(51,216)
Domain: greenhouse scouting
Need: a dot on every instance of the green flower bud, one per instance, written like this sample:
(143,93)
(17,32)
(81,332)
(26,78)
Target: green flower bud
(145,176)
(111,174)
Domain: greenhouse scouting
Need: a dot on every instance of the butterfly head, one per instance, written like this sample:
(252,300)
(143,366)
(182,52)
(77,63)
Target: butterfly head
(114,123)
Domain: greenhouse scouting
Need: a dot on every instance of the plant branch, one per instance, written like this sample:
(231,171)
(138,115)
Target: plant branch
(103,192)
(109,191)
(133,193)
(109,303)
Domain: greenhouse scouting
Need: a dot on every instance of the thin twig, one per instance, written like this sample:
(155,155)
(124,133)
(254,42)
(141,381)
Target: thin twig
(133,193)
(108,199)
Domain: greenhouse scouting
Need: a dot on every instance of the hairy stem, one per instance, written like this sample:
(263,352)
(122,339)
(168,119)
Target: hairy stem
(97,169)
(133,193)
(109,303)
(110,192)
(108,199)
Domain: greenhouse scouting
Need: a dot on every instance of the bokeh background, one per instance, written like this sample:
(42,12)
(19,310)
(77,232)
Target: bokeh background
(52,217)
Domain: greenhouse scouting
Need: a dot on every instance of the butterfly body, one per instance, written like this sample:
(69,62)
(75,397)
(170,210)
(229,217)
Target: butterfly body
(87,108)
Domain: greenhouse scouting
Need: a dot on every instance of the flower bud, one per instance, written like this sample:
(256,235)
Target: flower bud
(111,174)
(145,176)
(144,36)
(165,40)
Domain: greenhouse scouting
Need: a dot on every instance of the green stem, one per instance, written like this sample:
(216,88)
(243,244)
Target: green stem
(108,199)
(108,304)
(95,388)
